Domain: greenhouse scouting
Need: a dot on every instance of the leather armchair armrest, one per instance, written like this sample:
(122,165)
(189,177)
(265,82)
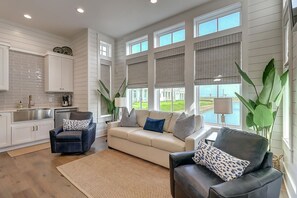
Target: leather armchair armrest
(262,183)
(193,140)
(113,124)
(56,131)
(178,159)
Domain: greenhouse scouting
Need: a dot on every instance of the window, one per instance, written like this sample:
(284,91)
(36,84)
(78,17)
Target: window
(105,49)
(138,98)
(171,99)
(170,35)
(224,19)
(206,95)
(137,45)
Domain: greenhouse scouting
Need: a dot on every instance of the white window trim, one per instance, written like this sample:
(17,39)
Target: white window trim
(108,47)
(129,44)
(168,30)
(216,15)
(130,92)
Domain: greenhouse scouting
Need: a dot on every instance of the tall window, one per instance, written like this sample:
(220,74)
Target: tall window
(138,98)
(170,35)
(219,20)
(138,45)
(105,49)
(171,99)
(206,95)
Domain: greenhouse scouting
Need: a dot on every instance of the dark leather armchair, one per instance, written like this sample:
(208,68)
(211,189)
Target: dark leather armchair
(74,141)
(260,180)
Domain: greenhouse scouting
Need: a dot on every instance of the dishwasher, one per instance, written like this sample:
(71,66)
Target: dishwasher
(61,114)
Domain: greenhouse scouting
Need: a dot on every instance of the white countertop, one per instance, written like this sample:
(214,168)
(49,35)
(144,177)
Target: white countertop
(10,110)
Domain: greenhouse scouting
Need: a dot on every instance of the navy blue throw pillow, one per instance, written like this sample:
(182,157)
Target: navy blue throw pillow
(154,125)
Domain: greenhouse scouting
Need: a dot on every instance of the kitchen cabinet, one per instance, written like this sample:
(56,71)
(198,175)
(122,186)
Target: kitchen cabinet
(5,132)
(4,67)
(30,131)
(58,73)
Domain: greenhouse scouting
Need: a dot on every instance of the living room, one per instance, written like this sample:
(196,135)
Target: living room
(160,58)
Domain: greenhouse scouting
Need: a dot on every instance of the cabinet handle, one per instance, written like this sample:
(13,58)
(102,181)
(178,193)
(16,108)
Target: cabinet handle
(36,128)
(33,128)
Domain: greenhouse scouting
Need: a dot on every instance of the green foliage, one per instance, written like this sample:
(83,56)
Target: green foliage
(262,111)
(110,101)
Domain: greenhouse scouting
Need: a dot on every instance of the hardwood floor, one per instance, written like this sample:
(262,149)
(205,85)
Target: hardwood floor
(35,175)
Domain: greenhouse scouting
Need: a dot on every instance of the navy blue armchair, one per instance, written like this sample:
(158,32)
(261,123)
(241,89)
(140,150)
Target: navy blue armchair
(73,141)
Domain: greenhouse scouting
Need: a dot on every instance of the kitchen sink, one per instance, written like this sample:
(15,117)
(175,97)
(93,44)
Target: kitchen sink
(32,114)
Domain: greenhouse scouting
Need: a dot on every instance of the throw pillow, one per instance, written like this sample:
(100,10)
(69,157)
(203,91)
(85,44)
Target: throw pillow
(75,125)
(184,126)
(128,120)
(222,164)
(154,125)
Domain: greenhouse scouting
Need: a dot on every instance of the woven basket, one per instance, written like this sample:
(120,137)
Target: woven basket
(276,161)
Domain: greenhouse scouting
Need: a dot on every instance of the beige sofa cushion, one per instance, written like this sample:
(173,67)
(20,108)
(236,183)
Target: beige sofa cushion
(143,137)
(172,122)
(162,115)
(169,143)
(122,132)
(141,116)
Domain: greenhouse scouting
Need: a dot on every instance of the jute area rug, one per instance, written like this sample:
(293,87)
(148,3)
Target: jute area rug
(30,149)
(112,174)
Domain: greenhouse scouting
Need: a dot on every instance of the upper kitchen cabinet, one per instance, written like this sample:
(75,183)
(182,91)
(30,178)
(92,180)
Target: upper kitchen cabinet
(58,73)
(4,68)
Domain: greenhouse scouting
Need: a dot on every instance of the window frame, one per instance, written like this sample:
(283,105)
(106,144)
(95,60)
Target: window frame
(130,93)
(108,49)
(216,15)
(171,95)
(139,41)
(169,30)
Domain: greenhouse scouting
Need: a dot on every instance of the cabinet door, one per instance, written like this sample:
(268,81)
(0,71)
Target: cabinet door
(22,133)
(43,129)
(5,133)
(54,72)
(67,75)
(4,71)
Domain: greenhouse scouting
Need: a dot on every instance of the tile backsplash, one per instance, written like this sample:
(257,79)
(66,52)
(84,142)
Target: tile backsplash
(26,77)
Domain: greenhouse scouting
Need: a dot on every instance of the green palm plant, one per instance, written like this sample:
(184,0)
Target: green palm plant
(263,110)
(109,100)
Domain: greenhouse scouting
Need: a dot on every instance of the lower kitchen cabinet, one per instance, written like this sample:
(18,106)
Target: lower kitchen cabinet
(30,131)
(5,134)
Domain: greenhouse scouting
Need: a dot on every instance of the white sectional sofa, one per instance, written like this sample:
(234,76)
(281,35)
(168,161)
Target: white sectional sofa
(153,146)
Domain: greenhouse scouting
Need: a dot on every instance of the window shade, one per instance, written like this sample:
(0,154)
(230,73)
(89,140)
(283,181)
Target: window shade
(215,59)
(170,65)
(105,73)
(137,72)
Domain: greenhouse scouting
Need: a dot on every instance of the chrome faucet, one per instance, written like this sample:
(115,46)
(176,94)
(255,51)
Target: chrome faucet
(30,104)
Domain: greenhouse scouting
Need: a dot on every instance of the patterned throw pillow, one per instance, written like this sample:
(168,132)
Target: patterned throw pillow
(129,120)
(75,125)
(222,164)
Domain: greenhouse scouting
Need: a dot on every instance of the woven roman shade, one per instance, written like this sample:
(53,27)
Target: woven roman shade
(170,66)
(137,72)
(215,59)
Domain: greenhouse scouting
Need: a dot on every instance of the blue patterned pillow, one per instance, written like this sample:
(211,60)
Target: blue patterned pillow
(222,164)
(154,125)
(75,125)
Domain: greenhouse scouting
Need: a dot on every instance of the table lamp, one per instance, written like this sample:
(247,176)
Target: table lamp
(120,103)
(223,106)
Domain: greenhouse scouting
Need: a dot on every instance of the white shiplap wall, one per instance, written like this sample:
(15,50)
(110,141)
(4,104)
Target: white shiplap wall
(29,39)
(265,42)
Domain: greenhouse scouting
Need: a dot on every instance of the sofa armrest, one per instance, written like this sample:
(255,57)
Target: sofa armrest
(192,140)
(113,124)
(262,183)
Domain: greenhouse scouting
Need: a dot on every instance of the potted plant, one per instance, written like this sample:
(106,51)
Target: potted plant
(110,101)
(263,109)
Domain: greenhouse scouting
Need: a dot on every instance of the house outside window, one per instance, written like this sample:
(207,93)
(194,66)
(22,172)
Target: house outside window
(205,103)
(105,49)
(137,46)
(138,98)
(171,99)
(219,20)
(170,35)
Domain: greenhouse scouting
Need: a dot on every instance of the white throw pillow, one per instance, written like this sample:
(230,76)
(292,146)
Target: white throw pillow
(75,125)
(222,164)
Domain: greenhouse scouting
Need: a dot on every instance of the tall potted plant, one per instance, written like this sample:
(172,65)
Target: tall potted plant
(263,109)
(109,100)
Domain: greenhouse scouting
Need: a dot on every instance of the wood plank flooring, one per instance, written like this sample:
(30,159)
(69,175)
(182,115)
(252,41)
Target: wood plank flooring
(35,175)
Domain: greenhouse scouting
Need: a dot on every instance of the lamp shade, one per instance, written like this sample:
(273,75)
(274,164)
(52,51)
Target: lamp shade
(120,102)
(223,106)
